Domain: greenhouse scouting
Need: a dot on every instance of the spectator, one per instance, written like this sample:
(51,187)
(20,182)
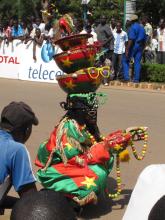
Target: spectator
(154,46)
(17,30)
(134,49)
(8,29)
(113,25)
(161,42)
(43,205)
(127,25)
(37,24)
(105,37)
(2,34)
(89,30)
(147,55)
(38,40)
(16,123)
(120,39)
(148,29)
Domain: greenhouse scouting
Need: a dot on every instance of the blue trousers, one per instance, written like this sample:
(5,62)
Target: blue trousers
(137,56)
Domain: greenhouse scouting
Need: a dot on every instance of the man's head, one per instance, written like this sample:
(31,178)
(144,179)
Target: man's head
(15,23)
(38,32)
(118,27)
(144,20)
(134,18)
(18,118)
(88,28)
(43,205)
(161,23)
(103,20)
(113,23)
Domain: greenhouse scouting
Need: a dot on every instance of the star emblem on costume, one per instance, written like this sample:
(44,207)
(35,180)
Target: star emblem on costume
(91,59)
(67,62)
(97,81)
(89,182)
(70,84)
(69,146)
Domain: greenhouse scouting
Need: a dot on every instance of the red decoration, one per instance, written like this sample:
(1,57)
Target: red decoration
(72,41)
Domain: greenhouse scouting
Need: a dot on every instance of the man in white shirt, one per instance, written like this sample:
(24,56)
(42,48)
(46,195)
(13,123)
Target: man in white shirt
(120,39)
(161,42)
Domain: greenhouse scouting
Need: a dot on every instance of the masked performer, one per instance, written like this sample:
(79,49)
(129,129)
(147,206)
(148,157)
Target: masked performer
(77,160)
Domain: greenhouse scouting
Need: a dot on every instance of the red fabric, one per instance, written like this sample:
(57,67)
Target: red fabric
(118,137)
(77,173)
(52,141)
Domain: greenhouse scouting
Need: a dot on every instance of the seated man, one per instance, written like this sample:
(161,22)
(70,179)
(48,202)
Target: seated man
(16,123)
(43,205)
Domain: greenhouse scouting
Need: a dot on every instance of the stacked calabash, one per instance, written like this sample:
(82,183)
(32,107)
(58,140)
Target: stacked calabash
(77,61)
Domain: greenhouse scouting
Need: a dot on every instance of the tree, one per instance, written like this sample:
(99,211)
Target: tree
(154,9)
(24,8)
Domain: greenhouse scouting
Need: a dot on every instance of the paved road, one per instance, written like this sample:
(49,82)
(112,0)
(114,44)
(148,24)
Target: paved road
(123,108)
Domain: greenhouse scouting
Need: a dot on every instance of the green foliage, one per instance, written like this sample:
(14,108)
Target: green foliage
(153,73)
(154,9)
(24,8)
(19,8)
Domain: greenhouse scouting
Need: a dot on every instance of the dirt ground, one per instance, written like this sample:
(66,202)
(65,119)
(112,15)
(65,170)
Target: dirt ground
(123,108)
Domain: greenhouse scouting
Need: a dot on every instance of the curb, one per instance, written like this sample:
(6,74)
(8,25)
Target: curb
(142,85)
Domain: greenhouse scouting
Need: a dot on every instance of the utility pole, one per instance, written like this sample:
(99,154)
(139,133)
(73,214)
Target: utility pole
(85,10)
(129,9)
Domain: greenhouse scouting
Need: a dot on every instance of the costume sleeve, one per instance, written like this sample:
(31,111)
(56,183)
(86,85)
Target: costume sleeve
(21,170)
(97,154)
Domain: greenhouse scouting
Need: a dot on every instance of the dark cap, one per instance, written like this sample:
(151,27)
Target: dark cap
(17,115)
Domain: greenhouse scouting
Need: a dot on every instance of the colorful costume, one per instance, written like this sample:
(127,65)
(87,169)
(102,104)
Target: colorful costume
(79,165)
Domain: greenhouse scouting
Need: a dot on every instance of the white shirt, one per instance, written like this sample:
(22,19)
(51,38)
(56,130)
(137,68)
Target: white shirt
(92,39)
(161,39)
(150,187)
(119,42)
(154,44)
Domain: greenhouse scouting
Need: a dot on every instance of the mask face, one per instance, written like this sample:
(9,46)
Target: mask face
(89,115)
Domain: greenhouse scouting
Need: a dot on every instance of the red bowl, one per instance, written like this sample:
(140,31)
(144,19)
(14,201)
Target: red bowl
(82,81)
(69,42)
(77,58)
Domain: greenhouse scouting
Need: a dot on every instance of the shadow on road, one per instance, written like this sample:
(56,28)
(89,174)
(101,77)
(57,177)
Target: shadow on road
(105,204)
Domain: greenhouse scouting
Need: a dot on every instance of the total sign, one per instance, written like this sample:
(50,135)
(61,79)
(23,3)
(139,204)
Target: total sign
(9,59)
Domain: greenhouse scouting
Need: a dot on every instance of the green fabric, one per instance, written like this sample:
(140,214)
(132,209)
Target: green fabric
(73,132)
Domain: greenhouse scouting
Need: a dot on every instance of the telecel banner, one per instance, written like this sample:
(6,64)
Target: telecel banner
(17,62)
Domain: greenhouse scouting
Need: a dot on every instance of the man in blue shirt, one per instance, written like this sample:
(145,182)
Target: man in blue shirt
(16,123)
(17,30)
(134,49)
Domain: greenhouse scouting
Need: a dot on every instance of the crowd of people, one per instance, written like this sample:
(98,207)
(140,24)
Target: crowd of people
(119,48)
